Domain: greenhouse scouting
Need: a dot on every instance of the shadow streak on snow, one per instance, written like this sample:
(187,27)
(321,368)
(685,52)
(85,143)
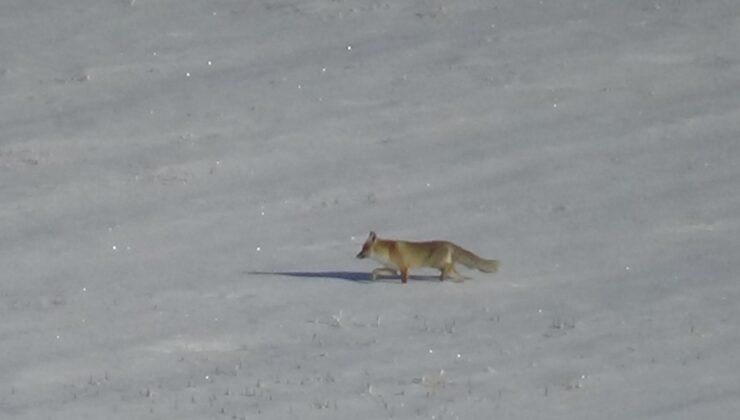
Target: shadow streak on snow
(355,276)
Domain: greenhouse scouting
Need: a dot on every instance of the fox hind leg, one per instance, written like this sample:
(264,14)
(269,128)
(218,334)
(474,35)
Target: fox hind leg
(455,276)
(448,271)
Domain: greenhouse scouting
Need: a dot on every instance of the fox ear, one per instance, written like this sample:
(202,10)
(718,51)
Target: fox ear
(372,236)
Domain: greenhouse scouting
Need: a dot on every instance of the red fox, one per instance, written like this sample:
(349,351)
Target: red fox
(402,255)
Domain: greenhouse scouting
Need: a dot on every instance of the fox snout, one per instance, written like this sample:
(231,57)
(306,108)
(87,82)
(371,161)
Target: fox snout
(365,251)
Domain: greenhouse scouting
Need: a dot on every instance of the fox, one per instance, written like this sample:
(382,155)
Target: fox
(400,256)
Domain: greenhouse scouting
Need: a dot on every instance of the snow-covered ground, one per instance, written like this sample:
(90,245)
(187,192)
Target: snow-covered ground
(184,185)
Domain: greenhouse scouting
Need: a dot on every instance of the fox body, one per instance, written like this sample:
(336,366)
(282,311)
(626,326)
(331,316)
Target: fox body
(400,256)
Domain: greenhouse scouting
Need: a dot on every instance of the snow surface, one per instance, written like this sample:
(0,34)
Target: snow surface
(185,184)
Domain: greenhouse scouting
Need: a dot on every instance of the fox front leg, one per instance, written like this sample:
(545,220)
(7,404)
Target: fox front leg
(404,275)
(382,270)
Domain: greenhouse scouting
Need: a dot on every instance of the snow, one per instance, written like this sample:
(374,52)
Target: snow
(185,184)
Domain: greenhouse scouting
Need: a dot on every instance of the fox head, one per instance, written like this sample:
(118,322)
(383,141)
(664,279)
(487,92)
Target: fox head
(367,247)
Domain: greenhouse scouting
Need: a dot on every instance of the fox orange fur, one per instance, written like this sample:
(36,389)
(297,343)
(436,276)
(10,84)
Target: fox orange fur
(400,256)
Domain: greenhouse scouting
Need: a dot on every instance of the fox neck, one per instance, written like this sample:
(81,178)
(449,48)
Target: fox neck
(380,253)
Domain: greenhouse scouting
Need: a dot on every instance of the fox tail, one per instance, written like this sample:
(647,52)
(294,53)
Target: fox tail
(470,260)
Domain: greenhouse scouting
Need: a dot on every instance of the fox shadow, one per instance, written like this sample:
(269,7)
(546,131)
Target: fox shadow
(353,276)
